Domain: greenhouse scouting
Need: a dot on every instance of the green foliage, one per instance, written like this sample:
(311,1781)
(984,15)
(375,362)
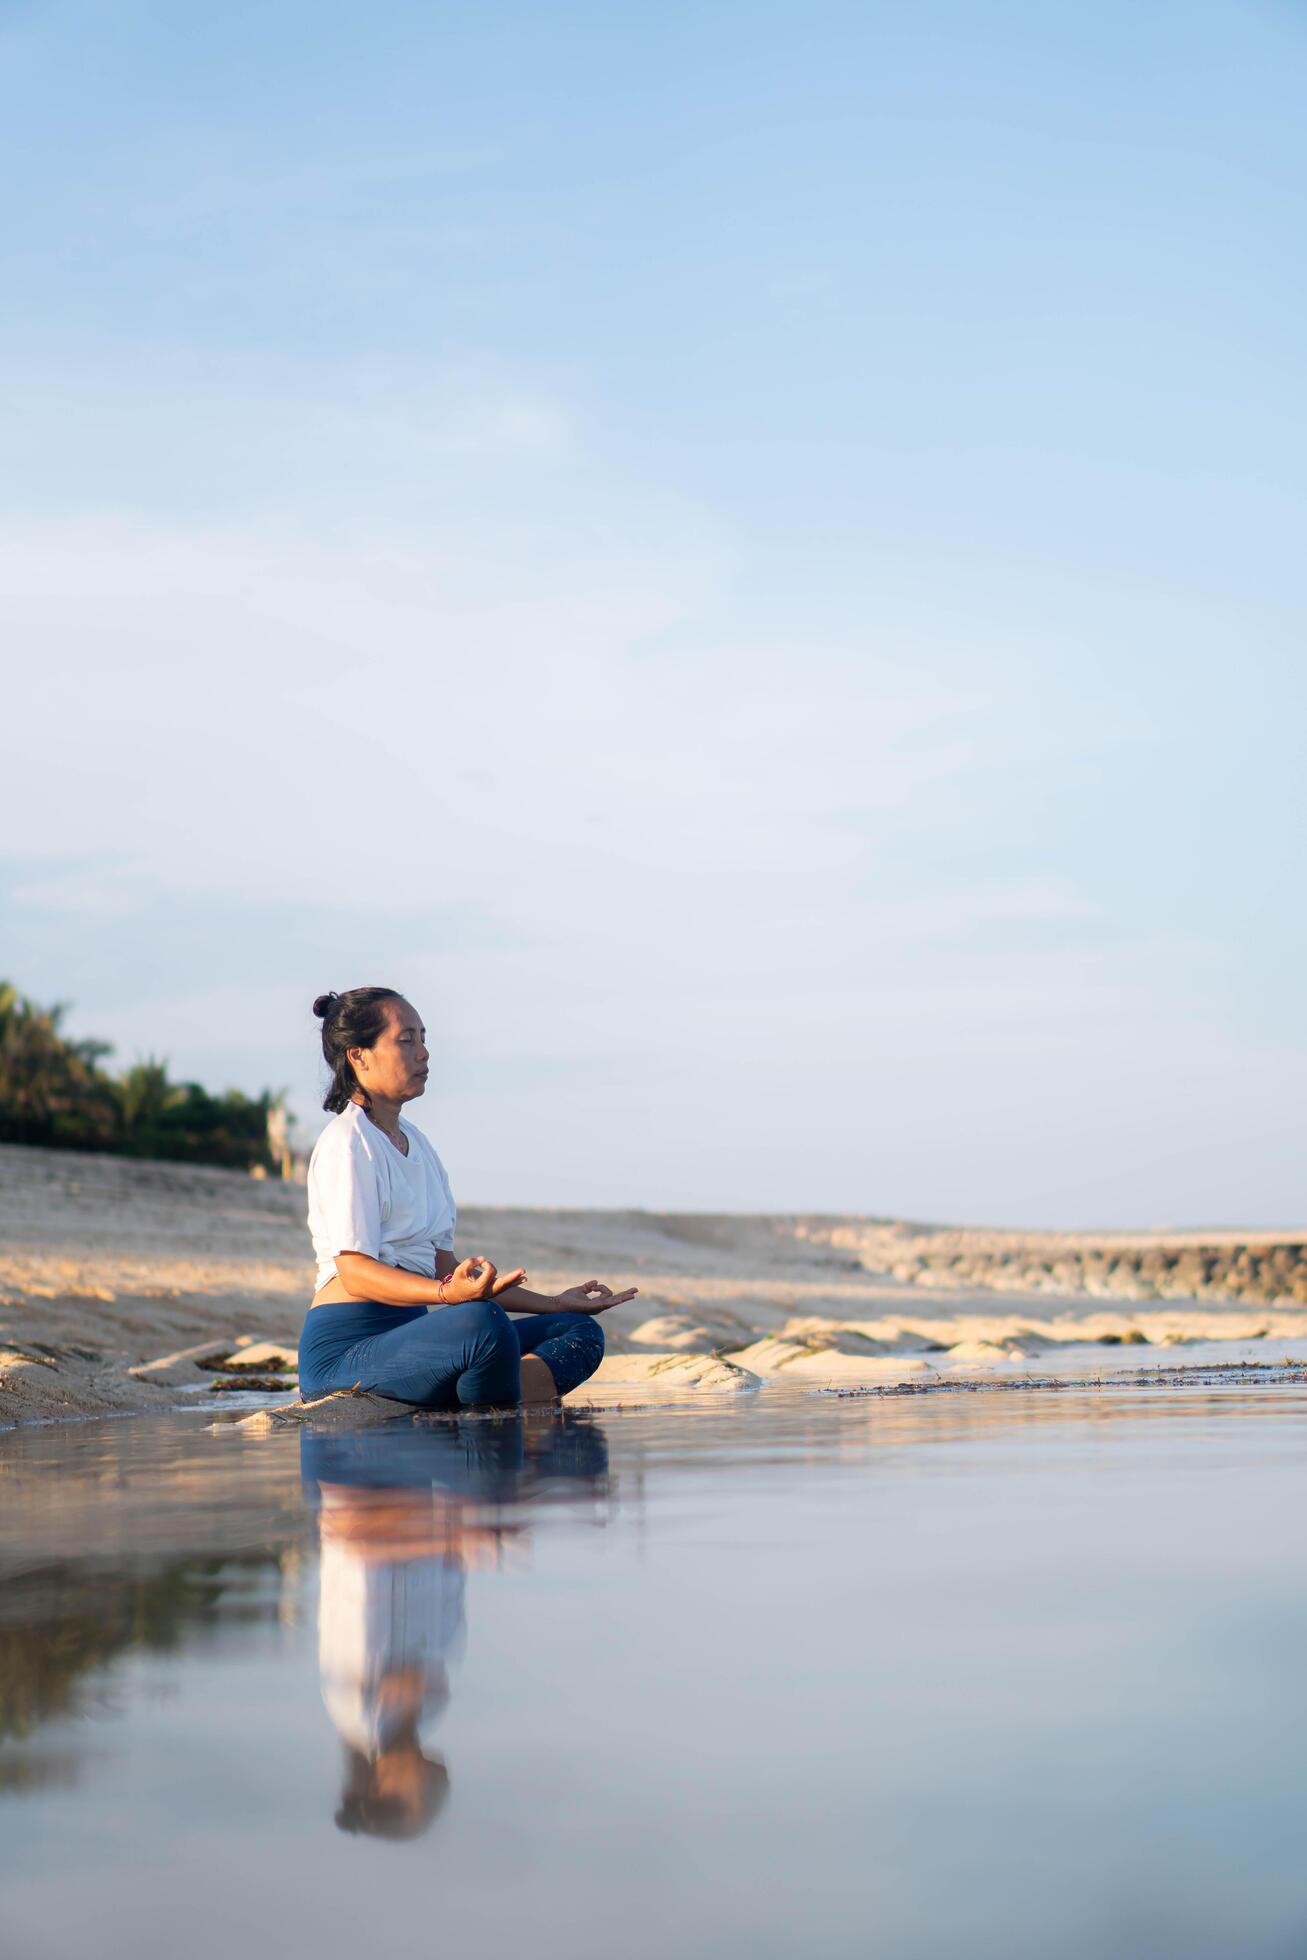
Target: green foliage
(54,1091)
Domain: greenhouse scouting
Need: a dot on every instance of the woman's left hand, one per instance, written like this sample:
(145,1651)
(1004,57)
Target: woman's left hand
(593,1297)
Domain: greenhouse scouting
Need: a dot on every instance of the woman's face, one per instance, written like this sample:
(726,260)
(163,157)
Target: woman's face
(395,1067)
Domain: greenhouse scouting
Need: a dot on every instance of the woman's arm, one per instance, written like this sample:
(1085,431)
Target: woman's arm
(520,1299)
(593,1297)
(365,1278)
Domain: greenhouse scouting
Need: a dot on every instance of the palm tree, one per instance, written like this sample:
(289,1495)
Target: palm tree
(51,1088)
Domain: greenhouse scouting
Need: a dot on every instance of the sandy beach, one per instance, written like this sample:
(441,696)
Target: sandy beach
(127,1285)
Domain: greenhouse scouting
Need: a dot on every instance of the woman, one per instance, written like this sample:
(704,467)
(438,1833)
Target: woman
(382,1217)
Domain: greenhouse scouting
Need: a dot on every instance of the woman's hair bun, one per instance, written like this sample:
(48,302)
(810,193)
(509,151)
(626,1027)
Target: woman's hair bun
(352,1020)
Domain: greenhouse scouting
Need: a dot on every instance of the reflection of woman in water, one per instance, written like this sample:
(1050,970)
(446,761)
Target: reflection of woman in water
(390,1617)
(401,1517)
(382,1217)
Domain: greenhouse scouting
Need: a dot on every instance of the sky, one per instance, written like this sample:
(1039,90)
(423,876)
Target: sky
(747,558)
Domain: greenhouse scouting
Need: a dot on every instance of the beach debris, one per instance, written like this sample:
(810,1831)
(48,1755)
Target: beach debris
(1214,1374)
(186,1365)
(260,1358)
(226,1354)
(249,1384)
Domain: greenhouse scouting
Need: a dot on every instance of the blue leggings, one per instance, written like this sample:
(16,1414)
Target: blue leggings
(468,1356)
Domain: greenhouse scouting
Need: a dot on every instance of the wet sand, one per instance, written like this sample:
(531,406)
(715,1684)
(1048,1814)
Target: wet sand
(130,1286)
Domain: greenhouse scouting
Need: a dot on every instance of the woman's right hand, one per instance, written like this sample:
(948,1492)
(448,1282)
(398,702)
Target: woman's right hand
(474,1279)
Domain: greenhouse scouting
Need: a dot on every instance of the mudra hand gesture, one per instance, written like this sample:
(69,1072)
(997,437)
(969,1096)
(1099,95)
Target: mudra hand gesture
(475,1278)
(593,1297)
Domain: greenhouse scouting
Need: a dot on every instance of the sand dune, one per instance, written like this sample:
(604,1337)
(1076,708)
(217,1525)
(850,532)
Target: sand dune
(113,1274)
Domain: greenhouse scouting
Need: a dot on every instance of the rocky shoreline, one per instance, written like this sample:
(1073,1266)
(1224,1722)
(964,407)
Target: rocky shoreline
(1269,1270)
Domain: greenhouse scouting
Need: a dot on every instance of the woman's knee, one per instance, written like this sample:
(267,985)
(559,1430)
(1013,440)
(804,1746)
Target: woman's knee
(573,1349)
(583,1336)
(491,1367)
(488,1328)
(584,1327)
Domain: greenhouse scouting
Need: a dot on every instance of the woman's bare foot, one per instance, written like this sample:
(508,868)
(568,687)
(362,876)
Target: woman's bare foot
(538,1385)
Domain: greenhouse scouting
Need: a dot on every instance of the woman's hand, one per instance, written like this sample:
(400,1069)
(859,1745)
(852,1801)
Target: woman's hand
(593,1297)
(475,1279)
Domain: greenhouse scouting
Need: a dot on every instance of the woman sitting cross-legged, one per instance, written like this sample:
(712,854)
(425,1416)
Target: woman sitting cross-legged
(382,1217)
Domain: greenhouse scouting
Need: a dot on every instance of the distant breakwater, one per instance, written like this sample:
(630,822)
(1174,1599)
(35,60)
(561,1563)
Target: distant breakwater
(1269,1271)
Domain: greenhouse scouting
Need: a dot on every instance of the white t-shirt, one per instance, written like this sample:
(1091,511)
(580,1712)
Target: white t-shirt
(376,1618)
(366,1196)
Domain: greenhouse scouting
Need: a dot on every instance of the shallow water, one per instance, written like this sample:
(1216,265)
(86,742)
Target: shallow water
(1009,1675)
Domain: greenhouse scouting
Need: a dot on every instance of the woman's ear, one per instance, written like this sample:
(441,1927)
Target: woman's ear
(357,1059)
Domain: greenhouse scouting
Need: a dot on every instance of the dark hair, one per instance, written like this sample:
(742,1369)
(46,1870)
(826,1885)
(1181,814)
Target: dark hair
(351,1020)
